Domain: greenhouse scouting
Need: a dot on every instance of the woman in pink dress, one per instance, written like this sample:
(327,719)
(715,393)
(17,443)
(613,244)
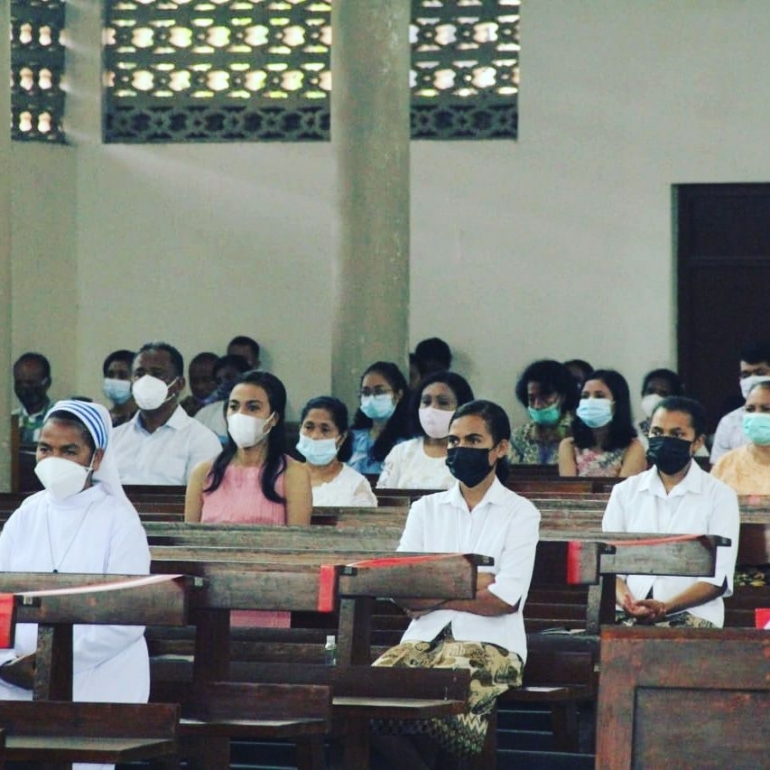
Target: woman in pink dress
(252,481)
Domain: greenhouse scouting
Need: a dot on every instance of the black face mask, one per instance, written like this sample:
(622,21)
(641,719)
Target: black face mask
(468,465)
(669,454)
(31,396)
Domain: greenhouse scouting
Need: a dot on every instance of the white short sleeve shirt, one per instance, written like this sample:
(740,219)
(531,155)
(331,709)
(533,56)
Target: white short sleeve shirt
(698,505)
(504,526)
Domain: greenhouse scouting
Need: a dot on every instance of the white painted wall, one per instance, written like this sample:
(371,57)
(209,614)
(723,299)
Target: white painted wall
(44,268)
(559,244)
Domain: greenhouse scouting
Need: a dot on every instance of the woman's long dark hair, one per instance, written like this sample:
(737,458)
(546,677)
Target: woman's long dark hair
(339,414)
(275,461)
(498,425)
(621,428)
(397,426)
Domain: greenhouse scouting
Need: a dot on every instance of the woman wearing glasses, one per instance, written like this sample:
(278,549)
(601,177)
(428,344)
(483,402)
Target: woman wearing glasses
(381,419)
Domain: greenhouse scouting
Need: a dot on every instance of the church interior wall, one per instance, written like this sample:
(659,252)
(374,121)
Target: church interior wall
(559,244)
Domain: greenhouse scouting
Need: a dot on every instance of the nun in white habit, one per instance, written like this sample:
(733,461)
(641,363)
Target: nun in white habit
(81,522)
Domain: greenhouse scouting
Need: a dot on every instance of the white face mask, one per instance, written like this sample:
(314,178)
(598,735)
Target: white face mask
(649,402)
(245,430)
(118,391)
(62,478)
(435,422)
(747,383)
(151,392)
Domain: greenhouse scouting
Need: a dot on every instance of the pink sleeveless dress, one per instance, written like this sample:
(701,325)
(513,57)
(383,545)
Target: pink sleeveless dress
(239,500)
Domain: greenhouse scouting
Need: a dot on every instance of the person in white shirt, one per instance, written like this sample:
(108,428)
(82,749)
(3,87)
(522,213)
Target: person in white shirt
(326,444)
(81,522)
(675,497)
(754,368)
(162,443)
(484,634)
(420,462)
(227,371)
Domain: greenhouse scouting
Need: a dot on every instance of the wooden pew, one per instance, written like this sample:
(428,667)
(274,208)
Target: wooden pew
(58,601)
(569,672)
(246,579)
(671,698)
(578,576)
(52,728)
(62,732)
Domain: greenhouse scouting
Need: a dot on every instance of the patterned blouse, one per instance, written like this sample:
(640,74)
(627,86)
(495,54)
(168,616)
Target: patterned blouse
(599,462)
(528,449)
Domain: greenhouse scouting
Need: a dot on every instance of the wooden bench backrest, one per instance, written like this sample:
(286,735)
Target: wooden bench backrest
(112,599)
(106,720)
(251,700)
(683,698)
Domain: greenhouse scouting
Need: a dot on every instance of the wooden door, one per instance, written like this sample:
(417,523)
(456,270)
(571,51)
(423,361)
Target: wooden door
(723,256)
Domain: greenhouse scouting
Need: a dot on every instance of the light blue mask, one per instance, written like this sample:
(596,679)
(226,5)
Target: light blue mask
(595,412)
(547,415)
(378,407)
(757,427)
(118,391)
(317,451)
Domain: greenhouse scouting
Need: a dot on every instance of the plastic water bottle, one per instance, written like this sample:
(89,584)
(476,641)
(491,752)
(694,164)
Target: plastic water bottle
(330,651)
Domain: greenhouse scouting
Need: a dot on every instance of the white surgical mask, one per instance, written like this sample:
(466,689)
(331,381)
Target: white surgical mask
(151,392)
(245,430)
(435,422)
(747,383)
(649,402)
(118,391)
(62,478)
(317,451)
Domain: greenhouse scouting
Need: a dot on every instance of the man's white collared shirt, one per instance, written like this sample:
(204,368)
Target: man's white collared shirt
(729,434)
(166,456)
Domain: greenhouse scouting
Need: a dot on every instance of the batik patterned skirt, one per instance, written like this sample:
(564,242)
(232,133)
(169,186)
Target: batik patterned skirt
(493,670)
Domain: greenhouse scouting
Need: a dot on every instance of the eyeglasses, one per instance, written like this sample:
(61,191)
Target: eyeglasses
(378,391)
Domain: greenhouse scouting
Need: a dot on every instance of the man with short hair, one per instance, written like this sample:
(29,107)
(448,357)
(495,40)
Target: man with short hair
(675,497)
(201,382)
(161,444)
(246,347)
(227,370)
(31,381)
(430,355)
(754,368)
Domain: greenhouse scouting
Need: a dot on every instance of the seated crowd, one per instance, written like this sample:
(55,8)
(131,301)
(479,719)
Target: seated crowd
(227,443)
(580,419)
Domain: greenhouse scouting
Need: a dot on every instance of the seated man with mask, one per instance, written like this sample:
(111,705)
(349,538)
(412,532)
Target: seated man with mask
(675,497)
(31,381)
(162,443)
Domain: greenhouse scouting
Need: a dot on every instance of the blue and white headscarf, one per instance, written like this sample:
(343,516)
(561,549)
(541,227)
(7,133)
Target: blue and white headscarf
(97,420)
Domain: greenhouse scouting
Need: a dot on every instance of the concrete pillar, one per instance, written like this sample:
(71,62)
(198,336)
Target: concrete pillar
(5,250)
(370,138)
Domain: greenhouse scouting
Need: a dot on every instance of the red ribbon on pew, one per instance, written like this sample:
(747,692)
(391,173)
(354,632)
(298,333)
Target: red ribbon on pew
(327,587)
(394,561)
(7,618)
(327,578)
(654,540)
(574,550)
